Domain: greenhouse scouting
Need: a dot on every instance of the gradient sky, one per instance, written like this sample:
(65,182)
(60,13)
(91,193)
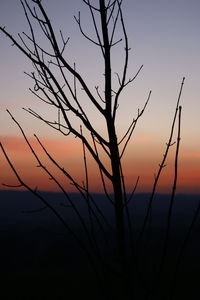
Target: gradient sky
(164,36)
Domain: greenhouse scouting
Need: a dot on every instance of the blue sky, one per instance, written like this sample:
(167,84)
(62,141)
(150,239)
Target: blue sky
(163,35)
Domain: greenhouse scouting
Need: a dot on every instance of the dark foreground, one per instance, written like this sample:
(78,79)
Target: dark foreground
(41,260)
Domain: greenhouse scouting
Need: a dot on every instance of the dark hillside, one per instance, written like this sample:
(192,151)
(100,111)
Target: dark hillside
(37,254)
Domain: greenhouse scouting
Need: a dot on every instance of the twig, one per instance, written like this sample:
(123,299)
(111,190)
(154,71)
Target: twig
(170,209)
(161,165)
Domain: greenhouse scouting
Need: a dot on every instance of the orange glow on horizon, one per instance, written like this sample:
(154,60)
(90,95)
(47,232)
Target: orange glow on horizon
(68,154)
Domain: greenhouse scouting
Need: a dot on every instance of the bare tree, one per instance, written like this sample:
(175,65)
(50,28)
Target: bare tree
(57,82)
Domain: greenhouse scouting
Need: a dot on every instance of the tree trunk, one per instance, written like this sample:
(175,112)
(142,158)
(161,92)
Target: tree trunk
(113,146)
(117,191)
(114,156)
(126,284)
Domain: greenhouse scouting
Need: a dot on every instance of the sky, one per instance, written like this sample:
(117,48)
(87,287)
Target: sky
(164,37)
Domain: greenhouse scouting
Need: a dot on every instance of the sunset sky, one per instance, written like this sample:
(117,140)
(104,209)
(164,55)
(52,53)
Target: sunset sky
(164,36)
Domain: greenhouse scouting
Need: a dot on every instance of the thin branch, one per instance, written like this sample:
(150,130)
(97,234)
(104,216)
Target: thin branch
(85,165)
(131,128)
(98,93)
(170,209)
(27,48)
(96,28)
(91,6)
(12,185)
(32,211)
(65,42)
(91,212)
(101,173)
(78,20)
(34,15)
(134,190)
(128,217)
(55,125)
(125,62)
(115,23)
(50,102)
(35,44)
(111,8)
(162,164)
(123,84)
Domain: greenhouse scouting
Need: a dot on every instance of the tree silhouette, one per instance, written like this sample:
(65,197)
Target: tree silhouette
(57,83)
